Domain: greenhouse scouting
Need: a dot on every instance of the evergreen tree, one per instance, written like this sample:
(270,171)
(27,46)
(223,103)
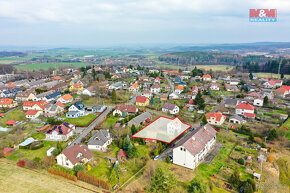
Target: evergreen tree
(152,101)
(204,120)
(199,101)
(132,150)
(133,129)
(273,134)
(159,183)
(114,95)
(235,179)
(126,147)
(266,100)
(251,76)
(94,74)
(282,75)
(196,186)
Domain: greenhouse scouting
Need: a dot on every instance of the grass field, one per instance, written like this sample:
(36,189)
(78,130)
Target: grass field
(82,121)
(17,115)
(16,179)
(39,66)
(271,75)
(283,131)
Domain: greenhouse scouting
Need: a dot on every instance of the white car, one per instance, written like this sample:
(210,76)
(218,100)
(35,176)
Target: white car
(156,157)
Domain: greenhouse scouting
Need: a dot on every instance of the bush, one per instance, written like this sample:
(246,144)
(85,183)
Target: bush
(21,163)
(263,145)
(241,161)
(78,168)
(93,180)
(168,160)
(62,174)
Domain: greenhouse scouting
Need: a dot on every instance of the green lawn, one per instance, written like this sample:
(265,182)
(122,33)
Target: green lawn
(82,121)
(283,131)
(17,115)
(30,154)
(110,121)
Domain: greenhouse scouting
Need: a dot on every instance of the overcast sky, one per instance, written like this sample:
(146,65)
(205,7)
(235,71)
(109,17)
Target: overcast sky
(117,22)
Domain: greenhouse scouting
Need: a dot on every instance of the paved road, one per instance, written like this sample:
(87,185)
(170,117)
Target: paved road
(88,129)
(169,82)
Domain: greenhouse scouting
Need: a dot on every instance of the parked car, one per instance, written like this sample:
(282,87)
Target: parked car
(156,157)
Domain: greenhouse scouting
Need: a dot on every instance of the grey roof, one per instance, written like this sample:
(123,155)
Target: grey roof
(231,102)
(140,118)
(99,138)
(169,106)
(44,94)
(37,82)
(51,107)
(235,116)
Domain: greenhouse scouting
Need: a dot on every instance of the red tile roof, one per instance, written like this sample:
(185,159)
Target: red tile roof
(72,153)
(286,87)
(245,106)
(31,112)
(127,108)
(218,116)
(141,99)
(10,122)
(206,76)
(6,101)
(6,150)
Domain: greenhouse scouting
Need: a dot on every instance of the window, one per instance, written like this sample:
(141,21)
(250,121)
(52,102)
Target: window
(181,148)
(184,149)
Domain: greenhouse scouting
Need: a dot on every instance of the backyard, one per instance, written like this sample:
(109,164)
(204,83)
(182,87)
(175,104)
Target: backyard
(82,121)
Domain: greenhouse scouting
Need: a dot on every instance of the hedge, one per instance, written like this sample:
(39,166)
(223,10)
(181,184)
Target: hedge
(62,174)
(93,180)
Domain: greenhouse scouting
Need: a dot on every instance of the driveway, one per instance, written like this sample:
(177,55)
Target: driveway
(210,156)
(88,129)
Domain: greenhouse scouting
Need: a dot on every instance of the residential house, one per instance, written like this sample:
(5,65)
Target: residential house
(179,89)
(206,77)
(67,98)
(259,102)
(281,92)
(237,119)
(52,110)
(174,96)
(234,82)
(52,96)
(273,83)
(76,87)
(116,86)
(155,88)
(245,109)
(97,108)
(33,114)
(146,93)
(41,96)
(215,118)
(90,91)
(231,103)
(76,107)
(8,103)
(10,93)
(171,108)
(124,110)
(194,90)
(26,95)
(191,150)
(214,86)
(231,88)
(60,132)
(60,87)
(140,119)
(77,154)
(100,140)
(164,97)
(142,101)
(157,80)
(178,79)
(268,93)
(134,87)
